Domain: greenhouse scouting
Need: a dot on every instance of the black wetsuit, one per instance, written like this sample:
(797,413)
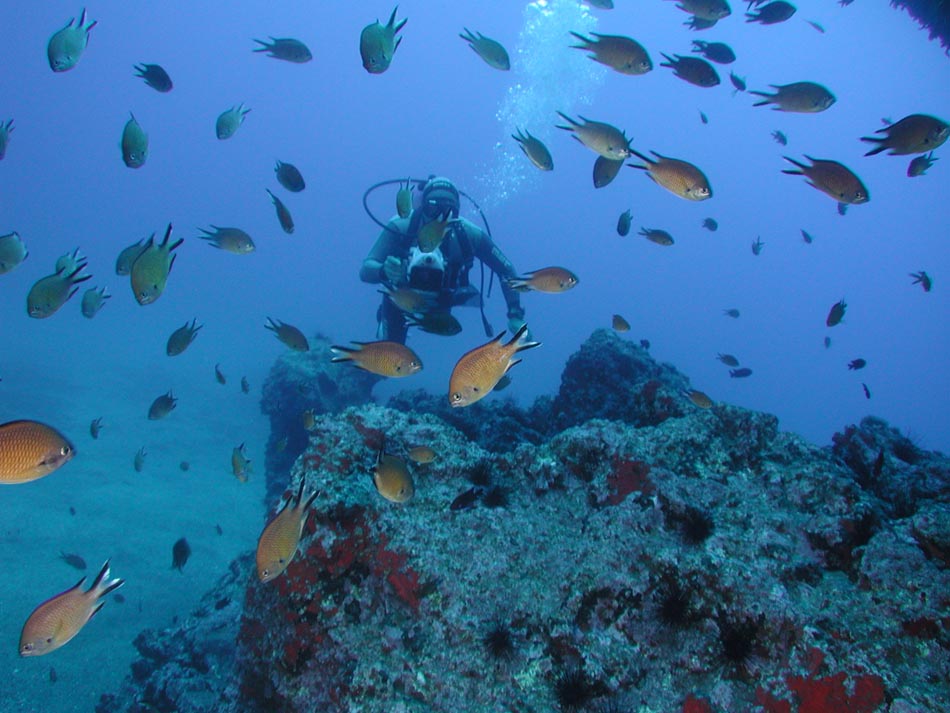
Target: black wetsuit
(463,242)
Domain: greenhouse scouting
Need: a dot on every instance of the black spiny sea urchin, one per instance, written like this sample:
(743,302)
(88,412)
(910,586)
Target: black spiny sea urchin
(499,642)
(574,689)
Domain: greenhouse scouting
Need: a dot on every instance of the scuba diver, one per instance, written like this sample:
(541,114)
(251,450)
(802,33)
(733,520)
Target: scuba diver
(438,279)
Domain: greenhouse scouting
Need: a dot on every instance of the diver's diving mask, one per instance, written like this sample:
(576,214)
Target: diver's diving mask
(440,197)
(426,270)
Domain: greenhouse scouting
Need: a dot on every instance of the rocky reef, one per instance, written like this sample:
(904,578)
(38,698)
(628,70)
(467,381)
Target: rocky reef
(664,558)
(932,15)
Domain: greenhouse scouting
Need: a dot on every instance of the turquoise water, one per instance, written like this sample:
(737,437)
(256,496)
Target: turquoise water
(438,109)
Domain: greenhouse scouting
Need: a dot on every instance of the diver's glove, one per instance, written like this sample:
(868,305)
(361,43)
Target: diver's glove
(394,271)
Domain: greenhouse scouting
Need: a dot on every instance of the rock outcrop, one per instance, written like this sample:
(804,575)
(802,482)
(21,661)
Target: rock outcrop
(705,562)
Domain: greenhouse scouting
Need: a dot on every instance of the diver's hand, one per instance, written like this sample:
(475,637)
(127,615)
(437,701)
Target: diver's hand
(394,271)
(516,323)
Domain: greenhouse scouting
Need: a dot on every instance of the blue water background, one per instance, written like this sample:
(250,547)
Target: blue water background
(438,109)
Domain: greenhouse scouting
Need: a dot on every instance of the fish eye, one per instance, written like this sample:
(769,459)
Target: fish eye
(456,396)
(65,451)
(49,640)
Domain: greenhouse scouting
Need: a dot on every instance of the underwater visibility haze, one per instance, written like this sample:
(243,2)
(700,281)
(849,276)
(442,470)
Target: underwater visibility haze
(787,302)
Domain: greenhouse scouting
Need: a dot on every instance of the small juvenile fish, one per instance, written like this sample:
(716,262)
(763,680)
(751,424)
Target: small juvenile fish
(771,14)
(923,279)
(916,133)
(733,312)
(284,217)
(737,82)
(231,240)
(798,97)
(95,427)
(490,50)
(806,236)
(245,385)
(12,252)
(278,542)
(229,121)
(184,466)
(836,313)
(740,373)
(181,551)
(619,324)
(404,199)
(6,128)
(66,46)
(623,223)
(918,166)
(155,77)
(440,322)
(378,44)
(780,137)
(655,235)
(678,177)
(603,139)
(622,54)
(711,225)
(162,406)
(757,246)
(422,454)
(480,369)
(384,358)
(289,177)
(52,675)
(57,620)
(606,170)
(534,149)
(842,208)
(50,293)
(30,450)
(182,338)
(867,391)
(240,464)
(73,560)
(694,70)
(856,364)
(699,398)
(816,26)
(827,342)
(123,264)
(219,375)
(392,478)
(288,334)
(93,300)
(134,143)
(718,52)
(703,118)
(832,179)
(547,279)
(139,462)
(285,48)
(728,359)
(151,268)
(70,261)
(308,419)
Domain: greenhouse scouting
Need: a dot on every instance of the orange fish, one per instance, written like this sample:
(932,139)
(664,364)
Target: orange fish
(240,464)
(392,478)
(620,324)
(57,620)
(831,178)
(547,279)
(30,450)
(422,454)
(383,358)
(679,177)
(479,370)
(699,398)
(278,542)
